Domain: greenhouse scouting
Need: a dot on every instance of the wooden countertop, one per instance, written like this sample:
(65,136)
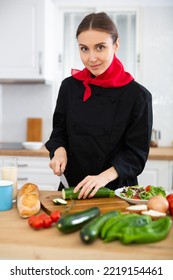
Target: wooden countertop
(19,241)
(27,153)
(159,153)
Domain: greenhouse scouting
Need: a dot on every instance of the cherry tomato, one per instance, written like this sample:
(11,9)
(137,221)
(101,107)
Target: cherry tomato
(147,188)
(47,222)
(37,223)
(43,215)
(55,216)
(31,219)
(136,197)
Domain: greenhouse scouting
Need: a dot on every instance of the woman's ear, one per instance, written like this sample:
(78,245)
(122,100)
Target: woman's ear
(116,45)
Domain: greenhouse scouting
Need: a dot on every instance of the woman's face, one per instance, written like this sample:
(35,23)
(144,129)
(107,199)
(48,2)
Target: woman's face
(96,50)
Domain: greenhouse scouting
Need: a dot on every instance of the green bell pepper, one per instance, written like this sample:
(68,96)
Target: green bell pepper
(128,220)
(152,232)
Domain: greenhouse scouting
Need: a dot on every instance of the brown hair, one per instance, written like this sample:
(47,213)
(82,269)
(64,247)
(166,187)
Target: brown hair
(98,21)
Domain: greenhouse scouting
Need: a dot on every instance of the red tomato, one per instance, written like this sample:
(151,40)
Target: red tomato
(170,201)
(171,208)
(147,188)
(169,197)
(37,223)
(55,216)
(135,197)
(47,222)
(31,219)
(43,215)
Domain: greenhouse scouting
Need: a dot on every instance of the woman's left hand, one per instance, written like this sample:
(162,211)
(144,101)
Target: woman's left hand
(91,183)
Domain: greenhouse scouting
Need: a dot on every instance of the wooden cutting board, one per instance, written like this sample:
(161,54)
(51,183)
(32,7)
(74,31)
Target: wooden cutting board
(34,129)
(105,204)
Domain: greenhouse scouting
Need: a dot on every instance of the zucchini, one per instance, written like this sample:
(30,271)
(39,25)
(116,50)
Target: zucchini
(73,222)
(102,192)
(91,230)
(59,201)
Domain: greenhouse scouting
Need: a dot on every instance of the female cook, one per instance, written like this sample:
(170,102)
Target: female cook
(103,118)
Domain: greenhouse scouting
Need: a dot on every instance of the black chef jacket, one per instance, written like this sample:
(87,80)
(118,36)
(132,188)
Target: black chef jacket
(112,128)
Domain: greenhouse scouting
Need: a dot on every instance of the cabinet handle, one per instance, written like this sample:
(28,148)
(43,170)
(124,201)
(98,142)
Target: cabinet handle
(22,179)
(40,63)
(23,165)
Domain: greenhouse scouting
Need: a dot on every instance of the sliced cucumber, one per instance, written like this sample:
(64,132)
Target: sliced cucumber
(59,201)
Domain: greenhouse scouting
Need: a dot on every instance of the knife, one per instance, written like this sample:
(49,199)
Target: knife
(64,181)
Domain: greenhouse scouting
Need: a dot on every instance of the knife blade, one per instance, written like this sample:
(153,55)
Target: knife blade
(64,181)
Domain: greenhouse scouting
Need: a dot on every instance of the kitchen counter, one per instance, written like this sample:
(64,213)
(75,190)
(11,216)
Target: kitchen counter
(161,153)
(19,241)
(43,152)
(158,153)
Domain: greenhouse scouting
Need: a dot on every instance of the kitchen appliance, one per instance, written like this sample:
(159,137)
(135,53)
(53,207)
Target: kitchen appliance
(155,136)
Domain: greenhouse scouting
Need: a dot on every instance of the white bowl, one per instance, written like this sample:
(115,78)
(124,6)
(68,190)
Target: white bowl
(32,145)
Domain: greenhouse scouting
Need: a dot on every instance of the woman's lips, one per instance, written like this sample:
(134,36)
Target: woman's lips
(95,66)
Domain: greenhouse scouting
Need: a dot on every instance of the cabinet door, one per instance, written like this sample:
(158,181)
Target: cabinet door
(20,47)
(36,170)
(156,173)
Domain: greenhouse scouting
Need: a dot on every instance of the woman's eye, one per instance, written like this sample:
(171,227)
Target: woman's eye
(84,49)
(100,47)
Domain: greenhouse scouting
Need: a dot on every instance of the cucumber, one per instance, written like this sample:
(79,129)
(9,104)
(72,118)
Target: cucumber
(73,222)
(102,192)
(59,201)
(91,230)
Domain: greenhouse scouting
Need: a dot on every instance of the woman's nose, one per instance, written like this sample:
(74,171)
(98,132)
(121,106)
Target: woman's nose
(92,56)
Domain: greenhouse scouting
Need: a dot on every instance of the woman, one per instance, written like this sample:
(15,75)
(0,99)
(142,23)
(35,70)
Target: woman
(103,118)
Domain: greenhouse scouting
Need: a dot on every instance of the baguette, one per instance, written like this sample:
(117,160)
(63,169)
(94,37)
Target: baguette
(28,202)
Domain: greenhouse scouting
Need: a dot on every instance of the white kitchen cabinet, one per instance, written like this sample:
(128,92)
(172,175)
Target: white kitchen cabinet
(36,170)
(157,173)
(26,34)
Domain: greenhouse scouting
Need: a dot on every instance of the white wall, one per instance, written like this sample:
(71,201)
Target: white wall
(20,102)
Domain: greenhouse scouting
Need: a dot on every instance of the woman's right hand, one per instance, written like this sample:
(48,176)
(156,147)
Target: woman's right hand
(59,161)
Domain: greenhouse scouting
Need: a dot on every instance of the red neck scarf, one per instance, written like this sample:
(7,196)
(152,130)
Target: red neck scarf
(113,76)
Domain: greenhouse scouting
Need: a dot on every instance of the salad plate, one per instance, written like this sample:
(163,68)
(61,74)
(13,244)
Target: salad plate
(127,193)
(130,200)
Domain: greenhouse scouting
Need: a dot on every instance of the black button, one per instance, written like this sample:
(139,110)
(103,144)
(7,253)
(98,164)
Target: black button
(106,130)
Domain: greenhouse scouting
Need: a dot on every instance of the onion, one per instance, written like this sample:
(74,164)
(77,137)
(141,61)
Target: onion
(158,203)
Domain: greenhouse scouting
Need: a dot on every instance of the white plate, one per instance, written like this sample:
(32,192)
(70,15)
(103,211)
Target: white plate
(130,200)
(32,145)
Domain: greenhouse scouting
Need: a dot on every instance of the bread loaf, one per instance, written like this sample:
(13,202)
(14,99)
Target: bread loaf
(28,202)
